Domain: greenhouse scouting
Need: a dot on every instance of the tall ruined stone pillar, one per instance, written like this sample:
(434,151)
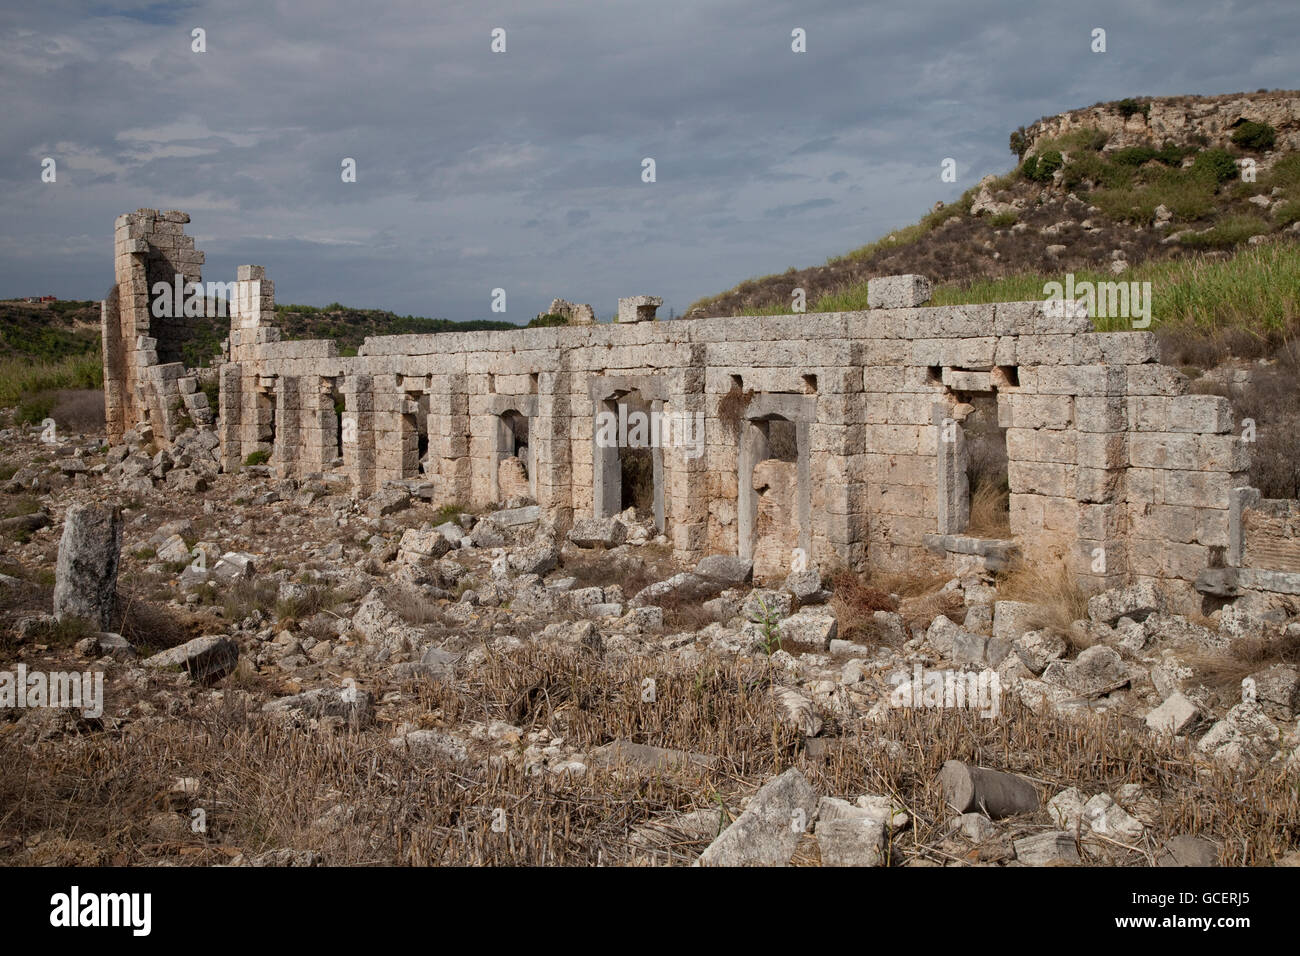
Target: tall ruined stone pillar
(449,437)
(288,412)
(549,440)
(359,434)
(320,428)
(685,471)
(230,404)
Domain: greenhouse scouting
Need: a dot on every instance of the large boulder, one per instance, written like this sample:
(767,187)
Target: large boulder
(537,558)
(1277,689)
(683,587)
(85,577)
(769,830)
(849,835)
(726,569)
(349,703)
(416,545)
(1097,670)
(598,532)
(205,659)
(1136,602)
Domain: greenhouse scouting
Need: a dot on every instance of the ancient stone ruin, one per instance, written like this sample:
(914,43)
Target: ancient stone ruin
(838,439)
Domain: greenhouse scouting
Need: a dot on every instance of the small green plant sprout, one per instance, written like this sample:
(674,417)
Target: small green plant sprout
(771,640)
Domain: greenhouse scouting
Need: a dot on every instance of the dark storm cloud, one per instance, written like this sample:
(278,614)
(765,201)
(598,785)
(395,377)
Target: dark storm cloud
(522,170)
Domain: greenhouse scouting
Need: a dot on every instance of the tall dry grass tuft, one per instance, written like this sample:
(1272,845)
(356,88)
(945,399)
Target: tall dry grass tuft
(854,601)
(990,515)
(1223,670)
(1058,599)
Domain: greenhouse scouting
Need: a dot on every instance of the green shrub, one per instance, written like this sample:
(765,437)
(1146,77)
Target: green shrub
(34,409)
(1173,155)
(1130,107)
(1133,155)
(212,390)
(1003,219)
(550,318)
(1215,163)
(1019,142)
(1286,174)
(1041,167)
(1253,136)
(448,512)
(21,377)
(1091,167)
(258,458)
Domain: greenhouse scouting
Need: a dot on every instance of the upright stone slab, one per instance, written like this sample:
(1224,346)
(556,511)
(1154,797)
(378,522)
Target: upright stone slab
(85,578)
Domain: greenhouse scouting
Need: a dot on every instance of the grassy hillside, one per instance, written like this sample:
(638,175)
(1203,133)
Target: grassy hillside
(1072,205)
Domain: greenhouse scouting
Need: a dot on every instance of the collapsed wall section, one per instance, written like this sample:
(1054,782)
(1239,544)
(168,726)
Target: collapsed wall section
(145,328)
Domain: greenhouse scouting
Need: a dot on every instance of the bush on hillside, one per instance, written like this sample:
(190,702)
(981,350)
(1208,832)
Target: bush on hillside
(1041,168)
(1217,163)
(1254,136)
(1130,107)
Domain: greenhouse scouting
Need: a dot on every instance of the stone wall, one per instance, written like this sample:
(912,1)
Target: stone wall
(848,445)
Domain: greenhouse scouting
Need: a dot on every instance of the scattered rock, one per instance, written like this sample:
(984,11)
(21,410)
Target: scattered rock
(598,532)
(1173,716)
(1135,602)
(1051,848)
(1188,850)
(205,659)
(768,832)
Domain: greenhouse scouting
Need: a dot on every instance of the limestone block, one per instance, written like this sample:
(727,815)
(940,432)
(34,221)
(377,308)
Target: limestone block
(898,292)
(1207,414)
(638,308)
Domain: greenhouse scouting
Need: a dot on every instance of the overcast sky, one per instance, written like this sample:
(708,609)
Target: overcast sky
(523,170)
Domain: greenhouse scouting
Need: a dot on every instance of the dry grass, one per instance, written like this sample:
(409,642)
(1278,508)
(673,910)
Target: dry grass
(681,614)
(354,799)
(990,513)
(854,602)
(316,598)
(595,568)
(1224,670)
(1058,599)
(414,608)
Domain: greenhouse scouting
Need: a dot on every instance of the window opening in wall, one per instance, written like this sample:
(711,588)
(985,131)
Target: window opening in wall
(340,405)
(422,418)
(513,465)
(810,384)
(516,438)
(266,419)
(775,482)
(986,469)
(636,464)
